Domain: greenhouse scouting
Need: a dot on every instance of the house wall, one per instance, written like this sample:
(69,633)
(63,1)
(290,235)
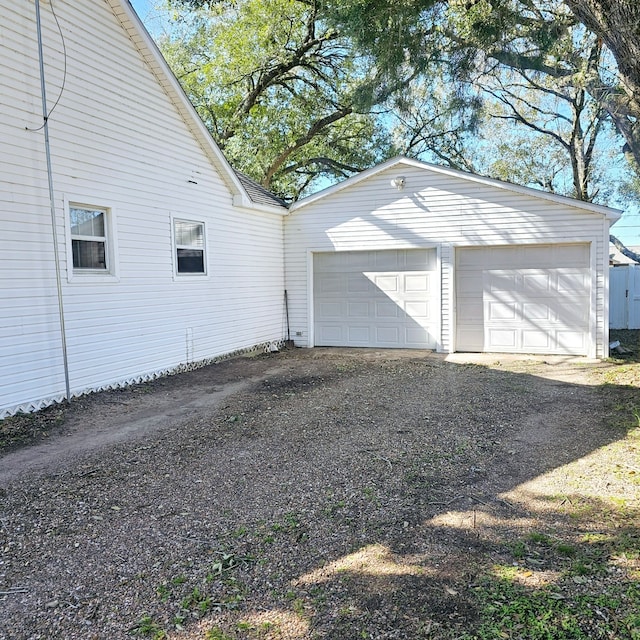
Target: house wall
(117,140)
(432,210)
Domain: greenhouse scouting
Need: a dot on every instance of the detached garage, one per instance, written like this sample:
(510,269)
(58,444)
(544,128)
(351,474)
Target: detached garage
(411,255)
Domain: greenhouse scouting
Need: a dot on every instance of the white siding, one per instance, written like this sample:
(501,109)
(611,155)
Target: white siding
(118,141)
(433,210)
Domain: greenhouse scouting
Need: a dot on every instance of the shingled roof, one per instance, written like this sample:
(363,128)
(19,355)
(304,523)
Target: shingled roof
(258,193)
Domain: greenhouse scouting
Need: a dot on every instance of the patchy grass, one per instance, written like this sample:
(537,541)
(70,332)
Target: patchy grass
(464,503)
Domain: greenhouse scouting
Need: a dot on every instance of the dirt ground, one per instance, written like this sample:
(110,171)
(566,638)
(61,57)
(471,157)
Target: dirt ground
(330,494)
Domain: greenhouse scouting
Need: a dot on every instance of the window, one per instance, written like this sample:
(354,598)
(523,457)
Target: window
(88,238)
(189,240)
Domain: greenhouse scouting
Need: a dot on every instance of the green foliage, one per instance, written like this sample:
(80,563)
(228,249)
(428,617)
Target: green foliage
(301,93)
(148,628)
(276,86)
(509,610)
(216,633)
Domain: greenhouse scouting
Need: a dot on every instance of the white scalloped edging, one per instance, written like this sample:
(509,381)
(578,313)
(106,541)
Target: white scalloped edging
(37,405)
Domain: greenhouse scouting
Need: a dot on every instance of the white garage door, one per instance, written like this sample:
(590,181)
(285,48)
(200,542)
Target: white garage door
(376,299)
(531,299)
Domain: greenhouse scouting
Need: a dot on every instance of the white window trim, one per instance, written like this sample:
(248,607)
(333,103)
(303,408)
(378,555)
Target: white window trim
(174,248)
(110,274)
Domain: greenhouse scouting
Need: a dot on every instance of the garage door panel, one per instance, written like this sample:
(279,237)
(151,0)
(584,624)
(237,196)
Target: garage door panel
(535,340)
(331,334)
(537,311)
(332,285)
(519,299)
(382,298)
(358,334)
(389,336)
(502,311)
(569,340)
(386,261)
(384,310)
(571,281)
(503,338)
(470,310)
(499,281)
(419,310)
(330,310)
(356,310)
(469,284)
(416,335)
(417,283)
(355,284)
(576,255)
(386,283)
(535,283)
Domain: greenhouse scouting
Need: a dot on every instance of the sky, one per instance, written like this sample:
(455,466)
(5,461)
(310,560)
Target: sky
(142,7)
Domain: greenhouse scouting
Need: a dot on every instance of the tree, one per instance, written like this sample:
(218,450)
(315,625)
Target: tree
(445,73)
(405,36)
(524,126)
(565,117)
(276,86)
(617,24)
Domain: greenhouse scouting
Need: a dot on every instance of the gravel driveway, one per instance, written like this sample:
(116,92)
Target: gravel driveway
(308,494)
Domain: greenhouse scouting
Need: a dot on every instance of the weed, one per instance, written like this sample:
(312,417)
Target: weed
(581,568)
(227,562)
(509,610)
(193,600)
(292,520)
(298,607)
(539,538)
(147,627)
(216,633)
(566,550)
(163,592)
(518,549)
(332,509)
(318,595)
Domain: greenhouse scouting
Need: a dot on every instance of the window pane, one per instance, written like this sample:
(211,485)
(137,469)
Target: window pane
(88,255)
(190,234)
(190,261)
(87,222)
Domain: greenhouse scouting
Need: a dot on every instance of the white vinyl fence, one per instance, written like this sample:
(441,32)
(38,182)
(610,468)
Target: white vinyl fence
(624,297)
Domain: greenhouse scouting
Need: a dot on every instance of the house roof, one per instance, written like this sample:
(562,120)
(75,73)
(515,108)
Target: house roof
(148,49)
(608,212)
(257,192)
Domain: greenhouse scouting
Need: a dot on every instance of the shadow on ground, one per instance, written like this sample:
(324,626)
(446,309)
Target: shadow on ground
(346,494)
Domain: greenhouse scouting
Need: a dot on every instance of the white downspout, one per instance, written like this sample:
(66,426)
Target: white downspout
(52,203)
